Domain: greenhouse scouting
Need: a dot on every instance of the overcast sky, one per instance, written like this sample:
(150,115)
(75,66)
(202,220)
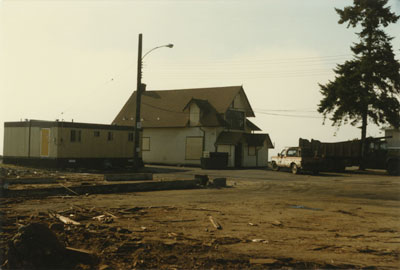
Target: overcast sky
(77,59)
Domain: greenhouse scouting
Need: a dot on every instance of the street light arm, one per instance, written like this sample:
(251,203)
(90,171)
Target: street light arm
(168,46)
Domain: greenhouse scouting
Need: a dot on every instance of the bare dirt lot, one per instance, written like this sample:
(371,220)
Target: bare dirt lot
(269,220)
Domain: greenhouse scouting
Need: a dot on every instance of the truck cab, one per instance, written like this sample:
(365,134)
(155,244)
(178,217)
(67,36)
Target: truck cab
(289,157)
(296,159)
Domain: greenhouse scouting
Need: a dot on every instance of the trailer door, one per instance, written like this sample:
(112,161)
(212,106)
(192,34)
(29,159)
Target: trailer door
(44,142)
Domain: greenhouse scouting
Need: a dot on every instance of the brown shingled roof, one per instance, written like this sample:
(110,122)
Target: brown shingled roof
(165,108)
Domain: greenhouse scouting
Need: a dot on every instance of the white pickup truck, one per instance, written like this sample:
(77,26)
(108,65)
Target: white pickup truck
(296,159)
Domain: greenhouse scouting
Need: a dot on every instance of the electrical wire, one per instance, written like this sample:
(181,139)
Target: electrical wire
(291,115)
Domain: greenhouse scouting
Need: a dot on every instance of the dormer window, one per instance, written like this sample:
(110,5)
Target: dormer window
(235,119)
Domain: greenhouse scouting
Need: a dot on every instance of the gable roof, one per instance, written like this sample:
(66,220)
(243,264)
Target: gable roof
(252,126)
(166,108)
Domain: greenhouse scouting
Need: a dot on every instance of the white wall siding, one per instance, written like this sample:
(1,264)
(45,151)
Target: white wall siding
(258,160)
(168,145)
(16,141)
(263,156)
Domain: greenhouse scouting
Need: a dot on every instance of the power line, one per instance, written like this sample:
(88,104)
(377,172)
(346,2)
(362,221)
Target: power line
(287,110)
(162,109)
(291,115)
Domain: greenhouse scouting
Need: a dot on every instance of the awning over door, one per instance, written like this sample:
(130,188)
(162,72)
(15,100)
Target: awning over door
(233,138)
(227,137)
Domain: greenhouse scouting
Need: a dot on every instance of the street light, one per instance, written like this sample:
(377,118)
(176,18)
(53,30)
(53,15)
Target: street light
(138,162)
(166,46)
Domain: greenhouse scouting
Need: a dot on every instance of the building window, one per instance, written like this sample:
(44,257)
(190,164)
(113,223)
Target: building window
(75,135)
(130,136)
(252,150)
(146,144)
(235,119)
(96,134)
(110,136)
(194,148)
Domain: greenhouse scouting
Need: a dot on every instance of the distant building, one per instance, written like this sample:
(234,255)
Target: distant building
(54,143)
(182,126)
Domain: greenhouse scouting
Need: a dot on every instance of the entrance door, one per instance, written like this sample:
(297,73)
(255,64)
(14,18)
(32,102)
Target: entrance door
(44,142)
(238,155)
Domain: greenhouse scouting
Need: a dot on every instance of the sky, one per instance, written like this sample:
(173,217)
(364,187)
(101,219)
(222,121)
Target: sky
(77,59)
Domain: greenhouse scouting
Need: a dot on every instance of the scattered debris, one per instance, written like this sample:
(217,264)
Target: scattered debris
(263,261)
(356,236)
(111,215)
(346,213)
(172,234)
(81,255)
(322,247)
(67,188)
(215,223)
(104,219)
(203,209)
(202,179)
(63,219)
(305,207)
(226,240)
(252,224)
(260,241)
(277,223)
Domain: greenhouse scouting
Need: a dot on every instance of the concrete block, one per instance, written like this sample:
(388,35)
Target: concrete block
(219,182)
(128,177)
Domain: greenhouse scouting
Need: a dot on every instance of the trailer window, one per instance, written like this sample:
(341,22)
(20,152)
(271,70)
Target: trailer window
(75,135)
(110,136)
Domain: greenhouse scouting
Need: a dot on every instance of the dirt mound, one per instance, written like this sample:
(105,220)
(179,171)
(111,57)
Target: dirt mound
(35,246)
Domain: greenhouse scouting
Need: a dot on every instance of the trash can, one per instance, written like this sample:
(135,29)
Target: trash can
(217,160)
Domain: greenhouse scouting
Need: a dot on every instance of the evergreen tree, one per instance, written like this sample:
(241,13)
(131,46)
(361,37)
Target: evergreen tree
(368,86)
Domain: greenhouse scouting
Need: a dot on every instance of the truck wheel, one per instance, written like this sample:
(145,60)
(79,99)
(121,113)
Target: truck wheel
(393,167)
(274,166)
(294,168)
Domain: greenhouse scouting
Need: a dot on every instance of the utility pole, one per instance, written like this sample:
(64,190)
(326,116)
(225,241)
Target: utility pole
(140,88)
(138,162)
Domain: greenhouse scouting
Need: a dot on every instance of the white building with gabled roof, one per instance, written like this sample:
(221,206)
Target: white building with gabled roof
(182,126)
